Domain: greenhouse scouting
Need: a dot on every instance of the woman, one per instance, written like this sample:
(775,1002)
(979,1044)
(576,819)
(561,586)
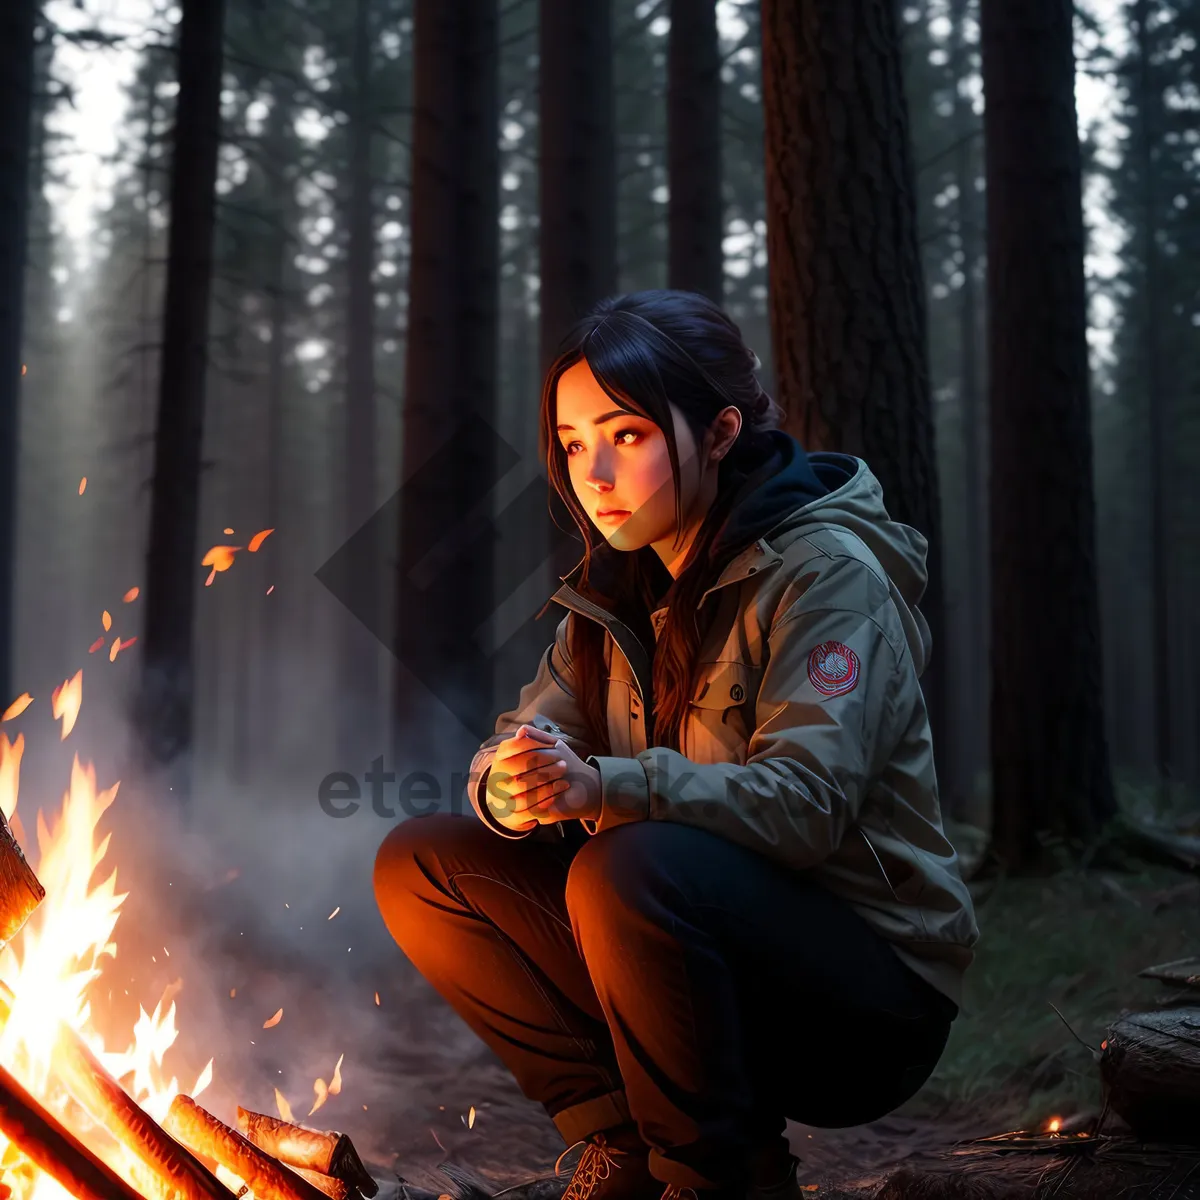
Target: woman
(709,887)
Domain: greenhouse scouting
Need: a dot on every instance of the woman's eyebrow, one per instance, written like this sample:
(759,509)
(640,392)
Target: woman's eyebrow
(608,416)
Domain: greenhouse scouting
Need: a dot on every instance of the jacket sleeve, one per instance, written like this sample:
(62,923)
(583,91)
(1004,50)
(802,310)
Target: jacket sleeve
(548,703)
(817,744)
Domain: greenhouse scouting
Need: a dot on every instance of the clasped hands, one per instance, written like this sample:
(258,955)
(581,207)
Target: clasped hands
(537,779)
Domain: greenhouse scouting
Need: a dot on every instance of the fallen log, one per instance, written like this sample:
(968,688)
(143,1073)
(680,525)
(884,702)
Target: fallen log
(1150,1069)
(326,1151)
(54,1149)
(1183,971)
(111,1106)
(203,1133)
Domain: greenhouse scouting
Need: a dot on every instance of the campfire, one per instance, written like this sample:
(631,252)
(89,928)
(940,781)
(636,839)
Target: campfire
(78,1118)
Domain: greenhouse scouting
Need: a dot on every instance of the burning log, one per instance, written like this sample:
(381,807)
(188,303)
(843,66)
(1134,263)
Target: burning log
(20,891)
(54,1149)
(335,1189)
(329,1152)
(1150,1067)
(85,1077)
(200,1131)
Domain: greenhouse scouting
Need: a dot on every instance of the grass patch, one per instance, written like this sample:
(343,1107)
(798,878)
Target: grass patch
(1076,939)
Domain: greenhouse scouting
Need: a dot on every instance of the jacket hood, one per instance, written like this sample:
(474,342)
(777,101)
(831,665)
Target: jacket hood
(853,501)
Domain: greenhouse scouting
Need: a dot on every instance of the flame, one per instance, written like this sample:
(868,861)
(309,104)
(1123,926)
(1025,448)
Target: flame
(82,485)
(335,1084)
(65,701)
(1054,1125)
(50,967)
(131,595)
(258,539)
(321,1092)
(17,707)
(285,1109)
(271,1022)
(106,620)
(220,558)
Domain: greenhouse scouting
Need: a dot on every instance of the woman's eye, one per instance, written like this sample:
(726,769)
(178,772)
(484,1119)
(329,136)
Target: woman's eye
(632,433)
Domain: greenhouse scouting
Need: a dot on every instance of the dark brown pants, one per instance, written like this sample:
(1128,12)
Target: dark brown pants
(659,972)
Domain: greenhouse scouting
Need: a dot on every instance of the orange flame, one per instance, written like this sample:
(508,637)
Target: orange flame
(17,707)
(131,595)
(220,558)
(82,485)
(285,1109)
(1054,1125)
(258,539)
(65,701)
(271,1022)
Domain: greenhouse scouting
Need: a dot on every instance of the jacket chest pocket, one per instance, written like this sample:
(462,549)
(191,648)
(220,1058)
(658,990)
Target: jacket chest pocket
(720,718)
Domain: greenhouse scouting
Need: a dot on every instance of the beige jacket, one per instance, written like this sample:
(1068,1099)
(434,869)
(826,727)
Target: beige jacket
(807,739)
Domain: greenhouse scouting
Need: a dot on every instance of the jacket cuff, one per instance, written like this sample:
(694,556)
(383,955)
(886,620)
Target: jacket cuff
(479,802)
(624,793)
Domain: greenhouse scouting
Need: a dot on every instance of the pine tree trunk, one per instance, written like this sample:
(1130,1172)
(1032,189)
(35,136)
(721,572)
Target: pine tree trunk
(1050,764)
(974,719)
(578,239)
(165,704)
(359,706)
(17,20)
(1156,409)
(695,256)
(448,439)
(846,295)
(270,691)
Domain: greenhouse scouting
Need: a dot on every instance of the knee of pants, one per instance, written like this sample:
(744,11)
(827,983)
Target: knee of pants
(615,871)
(402,863)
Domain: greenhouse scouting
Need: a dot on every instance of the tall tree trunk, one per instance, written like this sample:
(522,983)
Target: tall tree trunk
(448,456)
(1050,766)
(1159,465)
(695,255)
(359,706)
(270,693)
(164,707)
(578,189)
(974,719)
(17,20)
(847,300)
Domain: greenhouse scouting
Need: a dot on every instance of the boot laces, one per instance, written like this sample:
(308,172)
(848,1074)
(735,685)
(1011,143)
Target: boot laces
(595,1164)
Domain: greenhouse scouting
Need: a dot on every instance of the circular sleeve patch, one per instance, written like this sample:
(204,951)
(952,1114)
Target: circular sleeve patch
(833,668)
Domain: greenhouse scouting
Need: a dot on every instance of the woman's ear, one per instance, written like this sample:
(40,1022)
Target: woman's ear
(723,432)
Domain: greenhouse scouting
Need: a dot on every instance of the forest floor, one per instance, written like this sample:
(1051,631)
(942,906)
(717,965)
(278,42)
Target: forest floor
(1076,939)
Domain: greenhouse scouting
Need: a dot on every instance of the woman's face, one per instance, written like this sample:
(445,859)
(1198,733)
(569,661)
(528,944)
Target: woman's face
(620,467)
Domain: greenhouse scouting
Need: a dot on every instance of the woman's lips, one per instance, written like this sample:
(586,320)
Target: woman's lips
(613,514)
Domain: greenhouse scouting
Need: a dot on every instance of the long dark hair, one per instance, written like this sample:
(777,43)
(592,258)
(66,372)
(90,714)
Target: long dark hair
(647,349)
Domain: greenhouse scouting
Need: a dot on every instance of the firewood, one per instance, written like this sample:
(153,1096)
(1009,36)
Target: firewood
(335,1189)
(107,1102)
(20,891)
(326,1151)
(54,1149)
(1150,1067)
(203,1133)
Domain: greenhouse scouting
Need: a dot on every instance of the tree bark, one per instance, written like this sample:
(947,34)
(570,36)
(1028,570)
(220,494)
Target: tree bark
(165,704)
(1156,409)
(578,239)
(695,254)
(1050,766)
(448,451)
(971,403)
(17,21)
(360,656)
(846,295)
